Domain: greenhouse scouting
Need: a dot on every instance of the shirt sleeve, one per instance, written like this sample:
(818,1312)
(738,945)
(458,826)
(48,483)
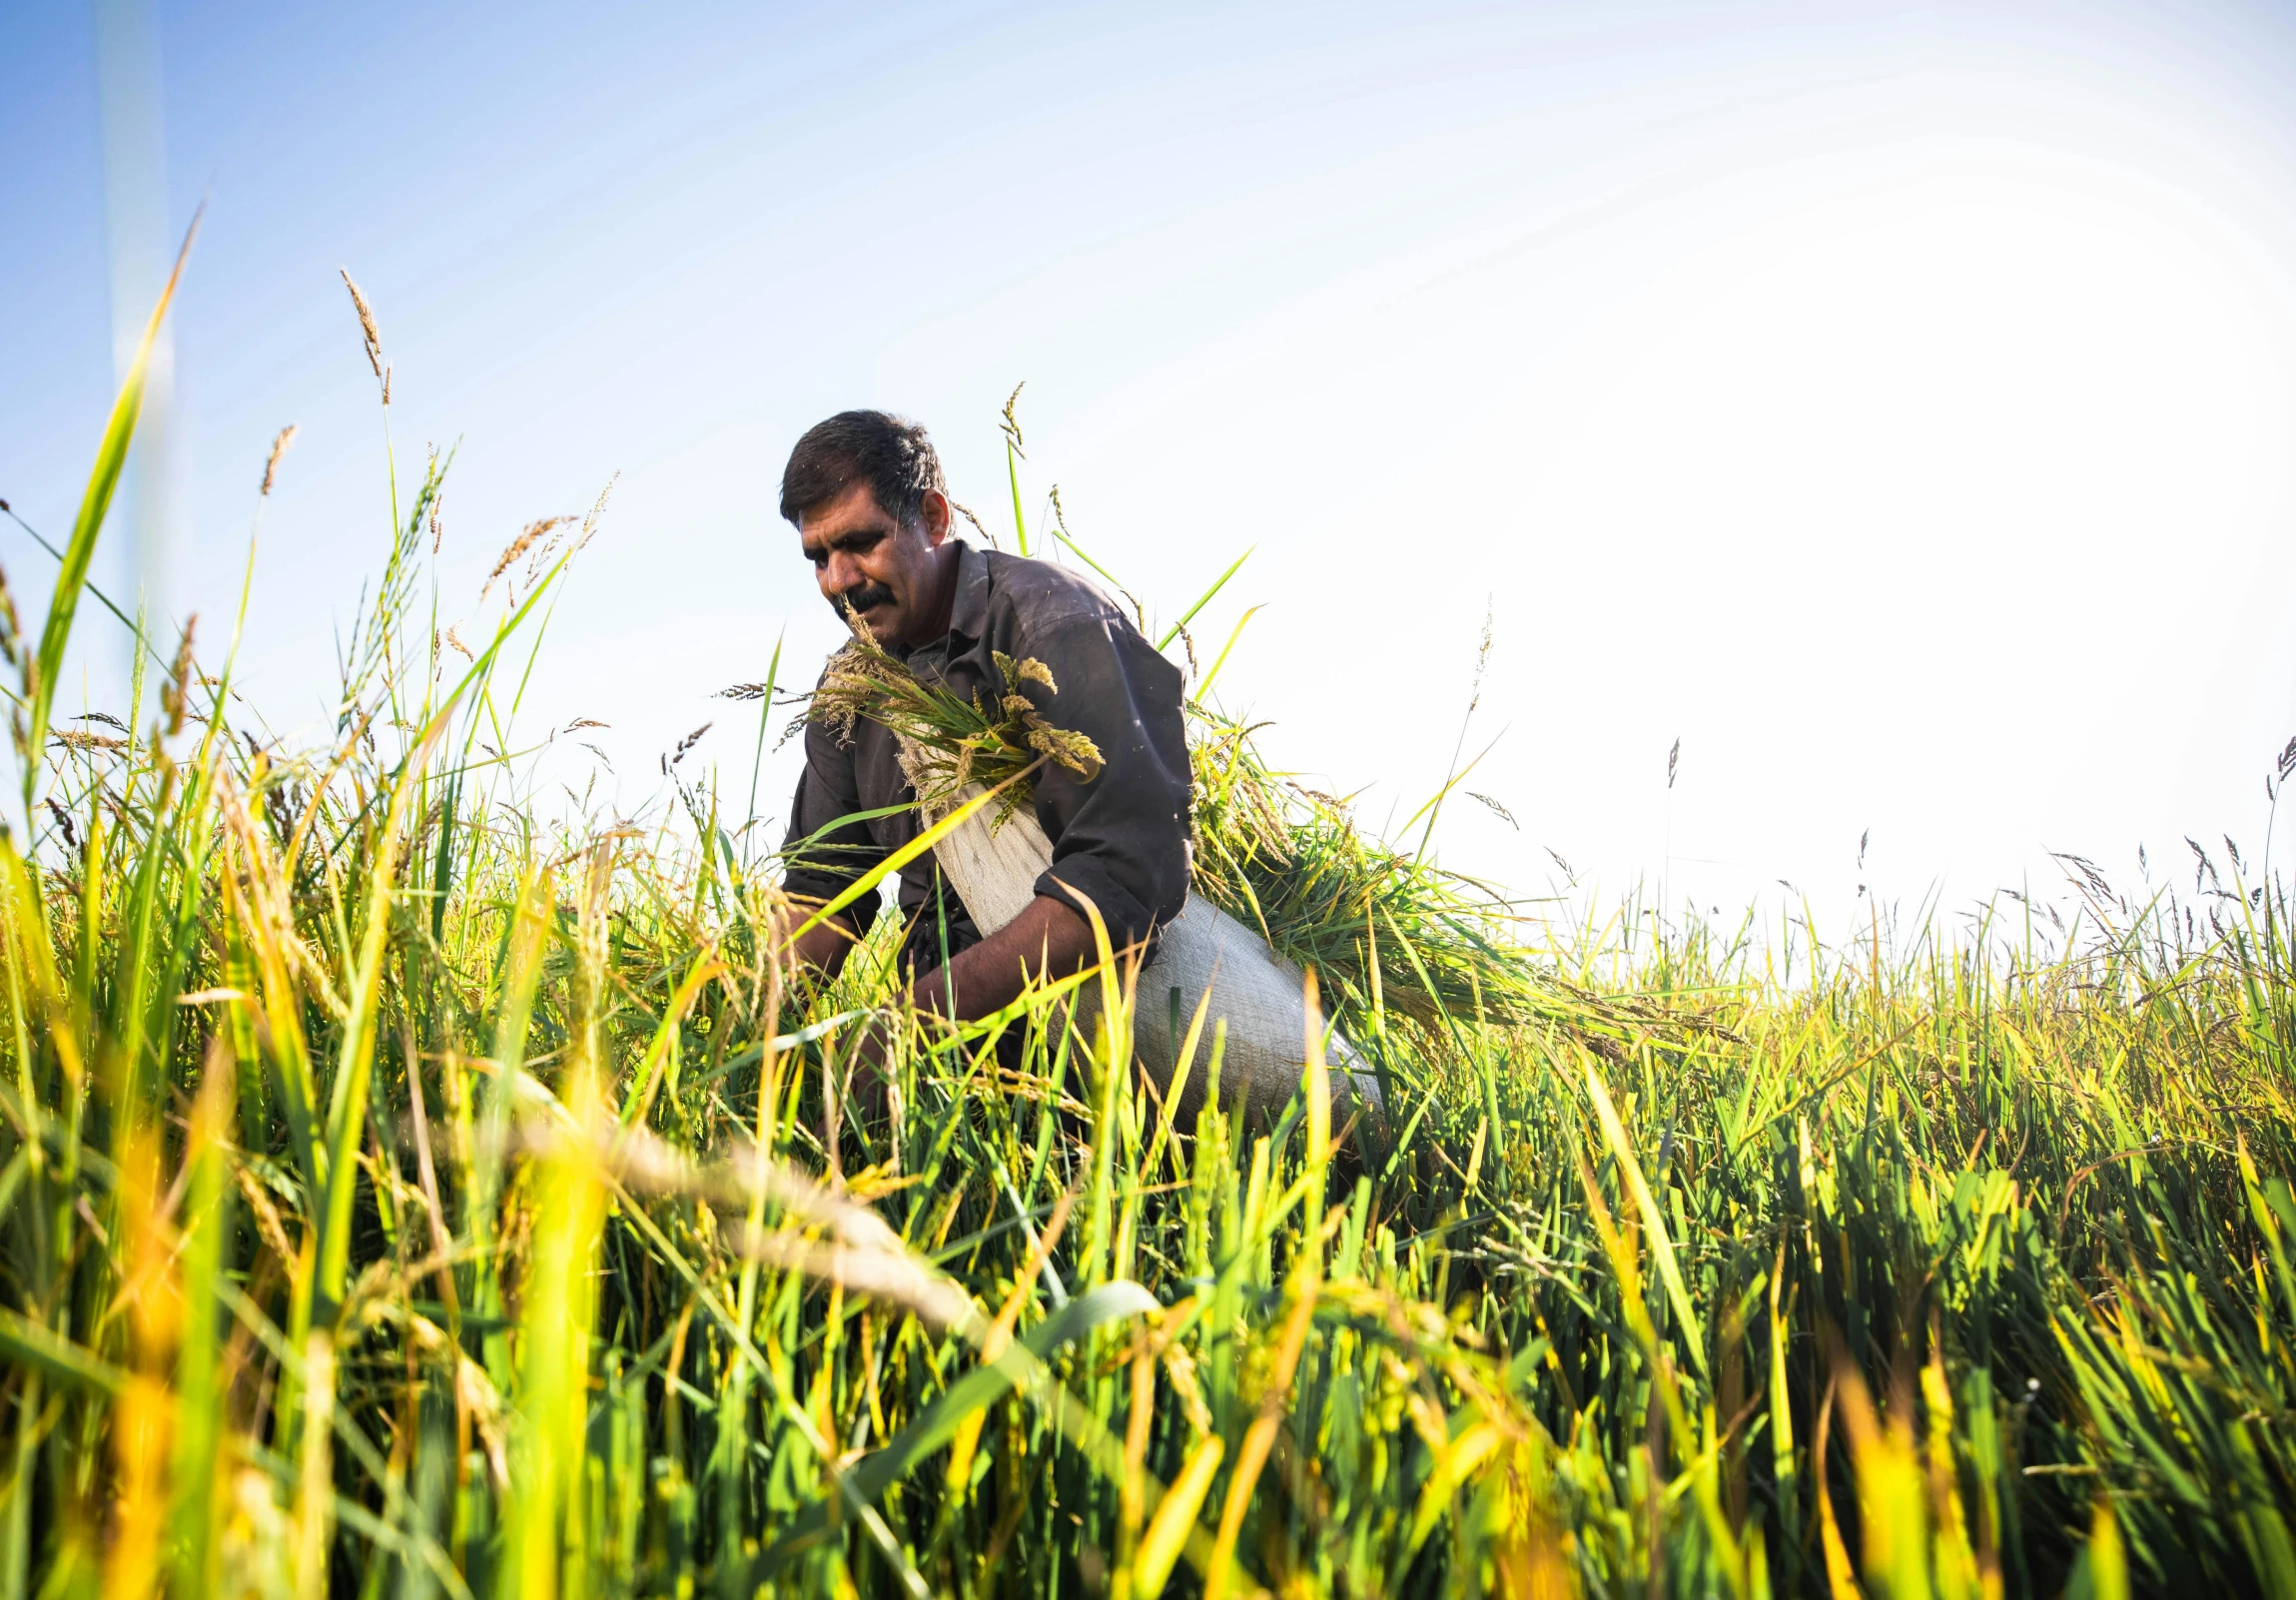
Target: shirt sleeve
(1120,838)
(824,851)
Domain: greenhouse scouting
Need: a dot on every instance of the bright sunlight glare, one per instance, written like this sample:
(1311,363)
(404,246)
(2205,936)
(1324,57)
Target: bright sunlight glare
(1925,495)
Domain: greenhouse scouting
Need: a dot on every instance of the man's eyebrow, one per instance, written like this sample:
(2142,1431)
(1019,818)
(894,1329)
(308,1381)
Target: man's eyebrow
(844,540)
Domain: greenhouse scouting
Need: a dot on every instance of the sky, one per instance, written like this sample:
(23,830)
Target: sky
(1861,428)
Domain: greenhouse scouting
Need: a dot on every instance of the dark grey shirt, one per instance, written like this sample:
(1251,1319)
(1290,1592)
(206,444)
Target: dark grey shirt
(1119,838)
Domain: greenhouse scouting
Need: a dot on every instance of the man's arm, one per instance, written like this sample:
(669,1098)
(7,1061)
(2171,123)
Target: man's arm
(825,945)
(1120,838)
(826,850)
(1046,940)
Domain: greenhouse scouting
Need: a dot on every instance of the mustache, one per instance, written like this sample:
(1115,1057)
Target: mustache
(861,596)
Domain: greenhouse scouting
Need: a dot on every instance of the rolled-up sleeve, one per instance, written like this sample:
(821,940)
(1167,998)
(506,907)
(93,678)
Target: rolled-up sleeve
(824,851)
(1120,838)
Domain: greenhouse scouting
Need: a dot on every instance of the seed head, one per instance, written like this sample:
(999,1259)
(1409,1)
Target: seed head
(277,449)
(173,696)
(590,523)
(367,326)
(521,545)
(11,626)
(63,821)
(1013,422)
(965,512)
(75,739)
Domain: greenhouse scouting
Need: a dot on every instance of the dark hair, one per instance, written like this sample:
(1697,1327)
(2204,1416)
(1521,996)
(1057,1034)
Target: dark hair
(890,454)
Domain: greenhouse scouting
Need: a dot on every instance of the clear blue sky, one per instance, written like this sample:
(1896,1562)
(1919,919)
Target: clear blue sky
(1892,403)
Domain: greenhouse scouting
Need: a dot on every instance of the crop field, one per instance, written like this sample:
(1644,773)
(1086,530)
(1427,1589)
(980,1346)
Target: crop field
(400,1197)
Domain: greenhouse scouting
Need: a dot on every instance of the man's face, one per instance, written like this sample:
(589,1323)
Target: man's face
(865,559)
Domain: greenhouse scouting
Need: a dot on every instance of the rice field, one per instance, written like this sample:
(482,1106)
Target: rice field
(399,1196)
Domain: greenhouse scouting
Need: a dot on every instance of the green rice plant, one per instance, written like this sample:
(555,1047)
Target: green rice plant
(401,1195)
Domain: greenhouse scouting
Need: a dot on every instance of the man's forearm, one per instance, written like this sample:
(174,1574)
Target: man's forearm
(1044,940)
(823,946)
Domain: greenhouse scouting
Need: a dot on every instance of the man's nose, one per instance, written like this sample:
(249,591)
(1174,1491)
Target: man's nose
(840,573)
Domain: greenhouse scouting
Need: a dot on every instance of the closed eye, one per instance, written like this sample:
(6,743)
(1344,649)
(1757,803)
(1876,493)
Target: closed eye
(859,543)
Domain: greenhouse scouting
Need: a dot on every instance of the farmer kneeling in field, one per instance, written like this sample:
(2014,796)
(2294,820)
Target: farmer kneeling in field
(872,511)
(970,669)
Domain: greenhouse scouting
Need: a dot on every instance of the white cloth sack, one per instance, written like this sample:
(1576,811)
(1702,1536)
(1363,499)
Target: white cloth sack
(1260,993)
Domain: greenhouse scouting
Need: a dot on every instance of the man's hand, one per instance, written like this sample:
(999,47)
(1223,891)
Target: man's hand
(824,946)
(1048,940)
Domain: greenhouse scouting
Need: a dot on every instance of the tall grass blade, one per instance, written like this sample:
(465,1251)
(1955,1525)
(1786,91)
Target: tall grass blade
(95,502)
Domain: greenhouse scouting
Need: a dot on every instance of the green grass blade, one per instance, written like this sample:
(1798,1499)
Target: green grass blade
(1652,1219)
(1204,600)
(1203,684)
(95,502)
(26,1345)
(347,1108)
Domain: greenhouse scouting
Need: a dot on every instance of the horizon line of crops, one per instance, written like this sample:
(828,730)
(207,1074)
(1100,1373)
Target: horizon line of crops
(397,1197)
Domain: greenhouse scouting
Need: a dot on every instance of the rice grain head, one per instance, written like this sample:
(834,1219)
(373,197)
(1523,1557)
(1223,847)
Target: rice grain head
(366,325)
(590,523)
(1013,422)
(277,449)
(521,545)
(175,697)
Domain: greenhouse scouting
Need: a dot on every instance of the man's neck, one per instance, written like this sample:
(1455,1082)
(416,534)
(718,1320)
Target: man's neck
(935,622)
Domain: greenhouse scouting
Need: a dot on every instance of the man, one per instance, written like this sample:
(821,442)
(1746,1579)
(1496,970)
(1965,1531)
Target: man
(865,494)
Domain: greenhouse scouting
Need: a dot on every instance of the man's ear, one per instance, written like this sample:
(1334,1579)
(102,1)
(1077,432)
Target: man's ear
(933,512)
